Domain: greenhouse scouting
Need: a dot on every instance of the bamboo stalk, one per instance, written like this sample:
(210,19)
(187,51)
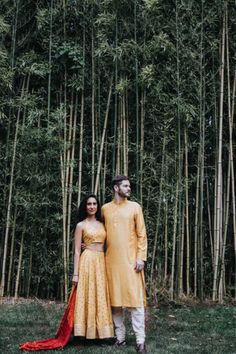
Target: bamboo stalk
(30,269)
(68,179)
(114,160)
(50,61)
(181,260)
(9,206)
(64,226)
(121,137)
(103,139)
(142,119)
(93,111)
(214,223)
(232,175)
(104,173)
(158,211)
(187,215)
(202,157)
(64,205)
(71,173)
(227,198)
(220,283)
(174,242)
(19,265)
(136,102)
(219,169)
(12,61)
(127,133)
(118,140)
(179,169)
(195,273)
(166,243)
(210,223)
(124,137)
(11,252)
(81,125)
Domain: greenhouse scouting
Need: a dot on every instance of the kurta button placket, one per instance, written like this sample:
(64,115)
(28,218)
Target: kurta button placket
(126,240)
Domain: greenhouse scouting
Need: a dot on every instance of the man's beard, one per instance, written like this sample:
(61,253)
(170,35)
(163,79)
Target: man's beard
(123,195)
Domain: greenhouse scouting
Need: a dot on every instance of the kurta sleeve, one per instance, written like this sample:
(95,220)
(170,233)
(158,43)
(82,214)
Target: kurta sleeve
(141,234)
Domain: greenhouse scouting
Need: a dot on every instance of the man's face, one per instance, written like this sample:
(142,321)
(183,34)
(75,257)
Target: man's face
(124,189)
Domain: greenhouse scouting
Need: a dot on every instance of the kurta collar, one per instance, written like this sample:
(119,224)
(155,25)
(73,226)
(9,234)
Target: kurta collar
(123,201)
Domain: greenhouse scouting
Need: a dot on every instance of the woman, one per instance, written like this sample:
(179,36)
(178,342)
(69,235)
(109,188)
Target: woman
(88,310)
(92,316)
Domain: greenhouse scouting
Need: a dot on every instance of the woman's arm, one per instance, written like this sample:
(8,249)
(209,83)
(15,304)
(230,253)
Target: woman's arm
(78,240)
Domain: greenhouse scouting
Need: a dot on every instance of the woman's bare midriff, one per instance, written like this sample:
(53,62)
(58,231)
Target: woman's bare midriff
(96,246)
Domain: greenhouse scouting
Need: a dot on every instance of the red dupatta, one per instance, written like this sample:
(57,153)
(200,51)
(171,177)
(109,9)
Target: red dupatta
(64,331)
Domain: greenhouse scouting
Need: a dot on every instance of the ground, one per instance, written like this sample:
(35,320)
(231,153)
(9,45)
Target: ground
(186,329)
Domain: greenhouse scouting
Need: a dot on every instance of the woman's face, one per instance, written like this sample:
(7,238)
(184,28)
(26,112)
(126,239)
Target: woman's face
(92,206)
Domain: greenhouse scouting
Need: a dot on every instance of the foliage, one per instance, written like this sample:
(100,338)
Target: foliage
(164,59)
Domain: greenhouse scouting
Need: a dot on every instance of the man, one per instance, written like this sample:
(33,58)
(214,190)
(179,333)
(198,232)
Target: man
(125,256)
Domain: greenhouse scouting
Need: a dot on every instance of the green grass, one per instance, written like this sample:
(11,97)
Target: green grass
(206,330)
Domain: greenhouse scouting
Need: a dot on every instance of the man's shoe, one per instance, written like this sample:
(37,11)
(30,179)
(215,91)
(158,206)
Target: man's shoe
(120,343)
(141,348)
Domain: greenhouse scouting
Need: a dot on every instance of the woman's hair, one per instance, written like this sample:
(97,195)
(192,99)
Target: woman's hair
(82,210)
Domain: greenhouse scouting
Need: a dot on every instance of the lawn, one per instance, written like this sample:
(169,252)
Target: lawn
(169,330)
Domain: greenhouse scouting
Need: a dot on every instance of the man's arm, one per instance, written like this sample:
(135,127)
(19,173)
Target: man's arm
(141,239)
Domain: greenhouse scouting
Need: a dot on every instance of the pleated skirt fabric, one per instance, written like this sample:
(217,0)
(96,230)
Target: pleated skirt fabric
(92,315)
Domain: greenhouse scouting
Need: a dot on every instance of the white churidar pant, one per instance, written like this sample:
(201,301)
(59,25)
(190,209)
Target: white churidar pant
(138,323)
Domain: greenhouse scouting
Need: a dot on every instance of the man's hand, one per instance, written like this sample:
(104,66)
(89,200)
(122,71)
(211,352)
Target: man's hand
(139,265)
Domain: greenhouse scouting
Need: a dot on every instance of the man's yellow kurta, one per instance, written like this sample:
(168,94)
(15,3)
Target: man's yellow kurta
(126,242)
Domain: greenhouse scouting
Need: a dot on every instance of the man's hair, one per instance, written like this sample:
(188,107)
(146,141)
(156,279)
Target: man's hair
(117,180)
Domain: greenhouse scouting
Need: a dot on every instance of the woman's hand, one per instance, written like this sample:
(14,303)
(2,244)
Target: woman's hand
(83,246)
(75,279)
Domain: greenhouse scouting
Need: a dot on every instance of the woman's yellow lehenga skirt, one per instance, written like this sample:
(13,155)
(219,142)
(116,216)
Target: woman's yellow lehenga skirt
(92,316)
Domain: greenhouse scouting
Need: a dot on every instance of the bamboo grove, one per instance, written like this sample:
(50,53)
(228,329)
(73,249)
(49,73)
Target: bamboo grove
(95,88)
